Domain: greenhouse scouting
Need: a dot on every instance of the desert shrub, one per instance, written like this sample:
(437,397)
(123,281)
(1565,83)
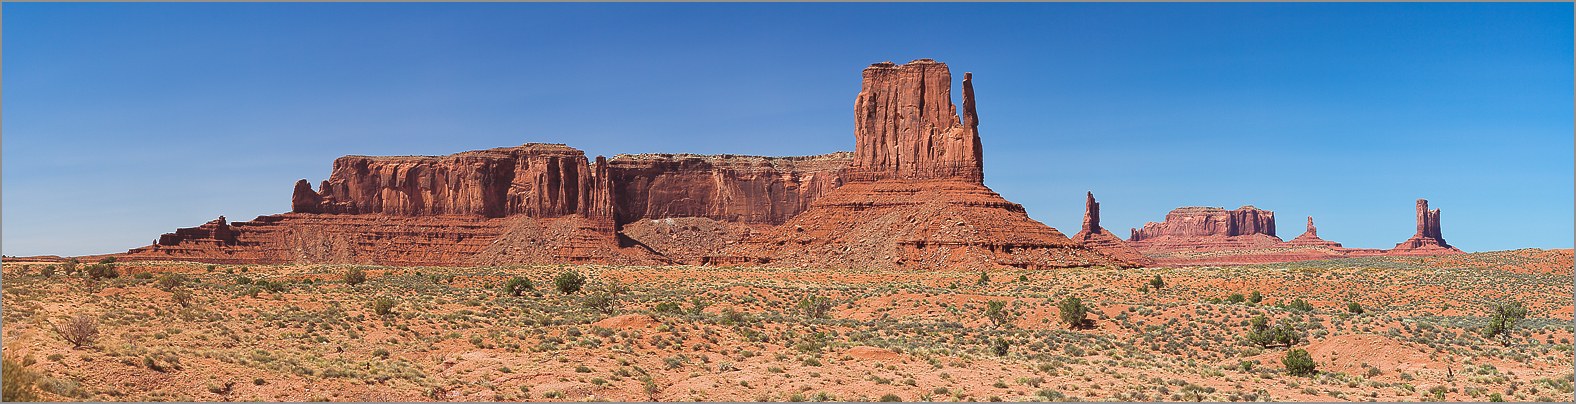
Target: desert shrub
(355,276)
(102,271)
(998,313)
(602,302)
(80,330)
(668,308)
(1072,311)
(171,281)
(383,305)
(107,260)
(891,398)
(381,353)
(815,306)
(182,297)
(1255,297)
(569,282)
(1299,305)
(1000,346)
(1236,298)
(48,271)
(1354,308)
(1504,318)
(1156,283)
(17,382)
(983,280)
(518,286)
(242,280)
(1262,334)
(70,267)
(1298,362)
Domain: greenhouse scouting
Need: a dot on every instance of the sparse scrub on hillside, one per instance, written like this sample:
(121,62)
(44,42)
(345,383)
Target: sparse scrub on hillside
(998,313)
(18,382)
(815,306)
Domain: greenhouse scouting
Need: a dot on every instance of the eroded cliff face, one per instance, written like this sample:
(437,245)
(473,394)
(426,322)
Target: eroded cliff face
(906,127)
(728,188)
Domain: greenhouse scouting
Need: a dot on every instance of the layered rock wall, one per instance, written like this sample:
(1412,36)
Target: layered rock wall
(729,188)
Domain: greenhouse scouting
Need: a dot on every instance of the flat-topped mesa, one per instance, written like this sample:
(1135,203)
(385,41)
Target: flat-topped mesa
(1197,221)
(539,180)
(906,127)
(1098,239)
(1310,238)
(1428,239)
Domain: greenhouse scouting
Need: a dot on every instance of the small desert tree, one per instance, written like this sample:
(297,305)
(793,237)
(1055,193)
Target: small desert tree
(1255,297)
(1072,311)
(998,313)
(1262,334)
(1156,283)
(569,282)
(80,330)
(983,280)
(1298,362)
(1504,318)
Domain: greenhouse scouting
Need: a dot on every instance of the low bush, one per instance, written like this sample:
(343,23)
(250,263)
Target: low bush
(355,276)
(815,306)
(81,330)
(518,286)
(1072,312)
(1298,363)
(569,282)
(384,306)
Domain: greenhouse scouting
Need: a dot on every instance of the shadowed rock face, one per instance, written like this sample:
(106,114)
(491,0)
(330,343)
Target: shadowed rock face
(744,189)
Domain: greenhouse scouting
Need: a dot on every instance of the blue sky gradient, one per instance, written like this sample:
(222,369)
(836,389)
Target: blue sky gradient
(124,121)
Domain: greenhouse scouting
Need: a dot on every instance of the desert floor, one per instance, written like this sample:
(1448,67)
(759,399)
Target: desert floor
(300,332)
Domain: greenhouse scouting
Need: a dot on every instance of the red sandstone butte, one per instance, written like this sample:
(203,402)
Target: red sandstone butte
(913,195)
(1427,240)
(906,127)
(1205,228)
(1100,239)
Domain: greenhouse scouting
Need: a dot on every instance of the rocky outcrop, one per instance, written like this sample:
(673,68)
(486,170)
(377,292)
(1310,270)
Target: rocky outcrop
(728,188)
(913,195)
(215,233)
(906,127)
(1310,238)
(1204,228)
(1428,239)
(1099,239)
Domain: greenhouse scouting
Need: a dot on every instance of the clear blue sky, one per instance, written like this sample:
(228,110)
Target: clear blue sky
(124,121)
